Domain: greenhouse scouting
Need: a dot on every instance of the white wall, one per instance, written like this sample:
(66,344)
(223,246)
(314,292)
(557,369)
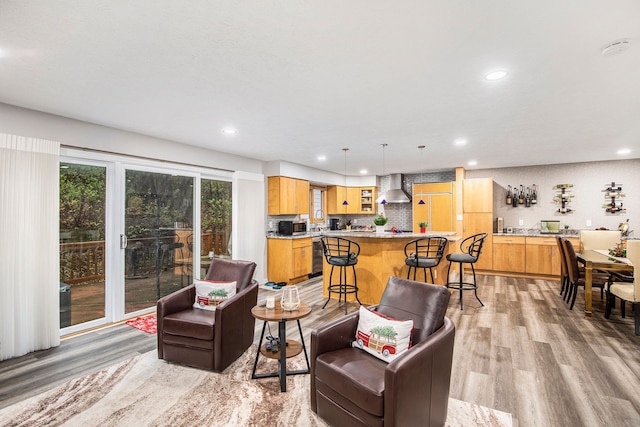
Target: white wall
(75,133)
(250,213)
(589,180)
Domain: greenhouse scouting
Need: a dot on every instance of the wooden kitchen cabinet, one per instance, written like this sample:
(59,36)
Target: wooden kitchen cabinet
(509,253)
(477,206)
(361,200)
(287,196)
(336,194)
(481,222)
(289,260)
(477,195)
(438,208)
(543,256)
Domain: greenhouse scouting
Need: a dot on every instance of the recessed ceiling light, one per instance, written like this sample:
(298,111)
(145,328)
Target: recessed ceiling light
(472,162)
(623,151)
(460,142)
(363,171)
(495,75)
(322,158)
(228,131)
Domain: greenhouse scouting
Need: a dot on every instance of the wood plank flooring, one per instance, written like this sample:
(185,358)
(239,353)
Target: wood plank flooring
(524,353)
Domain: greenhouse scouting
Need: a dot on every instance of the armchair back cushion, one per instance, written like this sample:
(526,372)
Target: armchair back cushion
(404,299)
(226,270)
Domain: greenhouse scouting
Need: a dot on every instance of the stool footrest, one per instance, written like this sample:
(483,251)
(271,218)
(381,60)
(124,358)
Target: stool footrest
(463,285)
(342,289)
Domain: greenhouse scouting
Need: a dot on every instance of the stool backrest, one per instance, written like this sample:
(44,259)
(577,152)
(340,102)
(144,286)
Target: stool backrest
(472,245)
(426,247)
(339,247)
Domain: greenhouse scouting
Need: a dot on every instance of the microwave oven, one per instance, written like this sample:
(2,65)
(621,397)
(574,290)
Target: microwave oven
(292,228)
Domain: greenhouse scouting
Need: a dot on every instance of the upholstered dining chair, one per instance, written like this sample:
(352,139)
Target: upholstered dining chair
(599,239)
(351,387)
(424,253)
(627,291)
(209,339)
(576,279)
(564,271)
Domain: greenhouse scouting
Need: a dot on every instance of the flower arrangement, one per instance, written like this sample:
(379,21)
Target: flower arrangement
(618,252)
(380,220)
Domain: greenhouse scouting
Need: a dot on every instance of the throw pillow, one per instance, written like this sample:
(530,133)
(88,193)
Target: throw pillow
(209,293)
(382,336)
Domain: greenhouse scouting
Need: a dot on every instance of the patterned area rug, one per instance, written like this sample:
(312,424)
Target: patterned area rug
(147,324)
(146,391)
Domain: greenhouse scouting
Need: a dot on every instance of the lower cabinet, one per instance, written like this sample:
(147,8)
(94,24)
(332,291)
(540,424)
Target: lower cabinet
(289,260)
(509,253)
(531,254)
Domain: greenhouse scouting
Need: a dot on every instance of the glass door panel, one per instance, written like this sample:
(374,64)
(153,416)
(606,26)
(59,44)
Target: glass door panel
(215,222)
(82,243)
(159,234)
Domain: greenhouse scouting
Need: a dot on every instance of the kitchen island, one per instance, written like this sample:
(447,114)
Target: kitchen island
(382,256)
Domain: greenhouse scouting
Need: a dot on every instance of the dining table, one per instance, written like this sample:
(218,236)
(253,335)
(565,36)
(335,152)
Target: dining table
(598,259)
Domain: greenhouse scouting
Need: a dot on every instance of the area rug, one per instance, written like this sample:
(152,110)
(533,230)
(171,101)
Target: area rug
(147,323)
(146,391)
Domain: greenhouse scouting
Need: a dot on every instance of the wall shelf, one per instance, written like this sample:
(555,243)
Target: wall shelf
(563,198)
(613,193)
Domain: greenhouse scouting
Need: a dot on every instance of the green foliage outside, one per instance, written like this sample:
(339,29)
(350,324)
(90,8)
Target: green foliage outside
(82,201)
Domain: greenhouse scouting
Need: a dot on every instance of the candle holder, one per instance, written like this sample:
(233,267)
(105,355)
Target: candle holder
(290,298)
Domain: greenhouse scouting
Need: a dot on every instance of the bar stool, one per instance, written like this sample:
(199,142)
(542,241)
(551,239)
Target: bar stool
(470,249)
(342,253)
(425,252)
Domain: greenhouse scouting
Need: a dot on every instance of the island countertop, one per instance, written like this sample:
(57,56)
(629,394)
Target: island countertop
(381,256)
(351,234)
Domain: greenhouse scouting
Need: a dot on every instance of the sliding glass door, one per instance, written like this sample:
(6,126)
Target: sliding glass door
(131,233)
(158,240)
(82,243)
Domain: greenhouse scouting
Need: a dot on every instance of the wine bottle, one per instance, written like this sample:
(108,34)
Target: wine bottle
(508,200)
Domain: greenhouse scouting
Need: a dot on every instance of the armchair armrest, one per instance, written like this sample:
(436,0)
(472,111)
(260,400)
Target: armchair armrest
(234,326)
(177,301)
(334,335)
(432,359)
(331,336)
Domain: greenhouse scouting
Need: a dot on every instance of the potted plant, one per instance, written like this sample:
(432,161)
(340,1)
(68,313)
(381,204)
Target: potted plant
(423,226)
(380,221)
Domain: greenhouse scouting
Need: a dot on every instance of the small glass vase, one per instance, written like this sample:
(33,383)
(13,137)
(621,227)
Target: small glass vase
(290,298)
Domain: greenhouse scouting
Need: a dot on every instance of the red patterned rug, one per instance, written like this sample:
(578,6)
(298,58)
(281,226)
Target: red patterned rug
(144,323)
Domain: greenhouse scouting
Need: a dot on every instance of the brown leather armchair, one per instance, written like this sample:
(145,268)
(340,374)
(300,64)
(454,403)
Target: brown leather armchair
(351,387)
(209,339)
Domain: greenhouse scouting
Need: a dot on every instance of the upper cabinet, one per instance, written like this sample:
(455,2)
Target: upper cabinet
(477,195)
(438,208)
(288,196)
(360,200)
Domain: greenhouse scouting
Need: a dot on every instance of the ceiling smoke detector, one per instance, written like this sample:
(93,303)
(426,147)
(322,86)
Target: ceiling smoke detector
(616,46)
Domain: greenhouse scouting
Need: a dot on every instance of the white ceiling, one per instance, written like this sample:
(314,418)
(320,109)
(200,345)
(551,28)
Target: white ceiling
(298,79)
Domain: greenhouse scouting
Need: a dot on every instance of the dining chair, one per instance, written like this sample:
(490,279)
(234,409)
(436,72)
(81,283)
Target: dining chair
(564,275)
(599,280)
(599,239)
(627,291)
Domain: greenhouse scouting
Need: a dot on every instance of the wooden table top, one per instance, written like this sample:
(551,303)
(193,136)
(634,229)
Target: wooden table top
(277,314)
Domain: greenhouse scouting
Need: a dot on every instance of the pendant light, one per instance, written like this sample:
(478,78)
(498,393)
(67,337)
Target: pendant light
(421,147)
(345,203)
(384,201)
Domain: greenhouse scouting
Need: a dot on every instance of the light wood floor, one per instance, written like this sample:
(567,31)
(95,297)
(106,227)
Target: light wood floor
(524,353)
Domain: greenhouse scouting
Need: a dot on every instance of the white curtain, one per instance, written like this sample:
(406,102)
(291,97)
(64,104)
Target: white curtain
(29,251)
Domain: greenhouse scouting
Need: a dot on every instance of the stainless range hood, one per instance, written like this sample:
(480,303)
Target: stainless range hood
(396,192)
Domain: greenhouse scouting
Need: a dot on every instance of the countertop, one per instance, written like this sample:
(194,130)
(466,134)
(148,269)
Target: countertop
(450,235)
